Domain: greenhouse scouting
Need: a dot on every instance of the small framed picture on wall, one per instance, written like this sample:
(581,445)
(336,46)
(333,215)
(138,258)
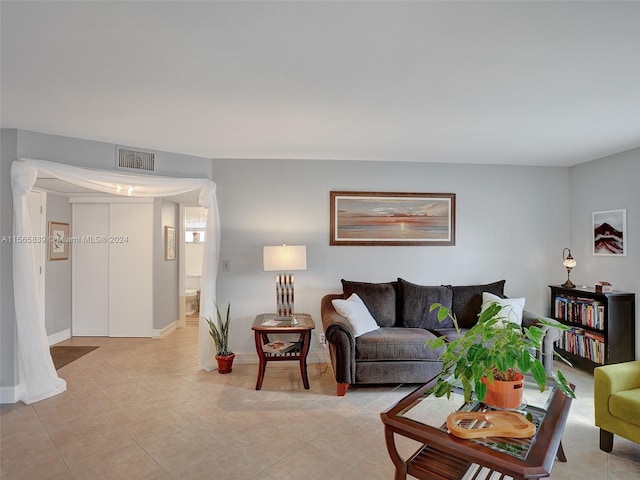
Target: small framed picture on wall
(169,243)
(58,241)
(610,232)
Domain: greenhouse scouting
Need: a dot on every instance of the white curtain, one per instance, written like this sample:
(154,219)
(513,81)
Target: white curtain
(37,375)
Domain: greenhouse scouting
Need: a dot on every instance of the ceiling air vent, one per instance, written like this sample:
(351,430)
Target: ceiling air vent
(135,159)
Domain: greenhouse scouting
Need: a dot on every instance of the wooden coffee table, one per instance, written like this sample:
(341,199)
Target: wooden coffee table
(267,324)
(443,456)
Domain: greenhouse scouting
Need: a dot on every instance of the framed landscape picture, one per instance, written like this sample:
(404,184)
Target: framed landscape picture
(391,218)
(610,232)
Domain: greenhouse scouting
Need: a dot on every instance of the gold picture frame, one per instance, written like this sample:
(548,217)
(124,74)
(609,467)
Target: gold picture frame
(169,243)
(393,218)
(58,241)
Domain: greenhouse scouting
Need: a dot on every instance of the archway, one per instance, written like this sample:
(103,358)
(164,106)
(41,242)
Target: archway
(37,376)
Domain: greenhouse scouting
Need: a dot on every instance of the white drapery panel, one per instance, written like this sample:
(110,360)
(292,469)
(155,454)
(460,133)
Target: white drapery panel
(37,375)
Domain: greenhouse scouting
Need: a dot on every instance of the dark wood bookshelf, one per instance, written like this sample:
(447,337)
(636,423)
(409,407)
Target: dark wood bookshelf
(603,325)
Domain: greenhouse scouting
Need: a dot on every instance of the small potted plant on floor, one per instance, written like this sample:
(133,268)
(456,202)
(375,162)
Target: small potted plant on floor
(492,351)
(220,335)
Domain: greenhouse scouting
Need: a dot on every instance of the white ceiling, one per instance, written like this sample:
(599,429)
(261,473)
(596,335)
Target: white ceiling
(525,83)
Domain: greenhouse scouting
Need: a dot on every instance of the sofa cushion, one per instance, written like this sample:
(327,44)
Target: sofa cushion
(396,343)
(467,300)
(380,299)
(625,405)
(356,313)
(450,334)
(511,310)
(415,301)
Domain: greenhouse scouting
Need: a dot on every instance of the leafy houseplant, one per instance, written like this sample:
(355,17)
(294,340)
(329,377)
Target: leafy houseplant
(493,349)
(220,335)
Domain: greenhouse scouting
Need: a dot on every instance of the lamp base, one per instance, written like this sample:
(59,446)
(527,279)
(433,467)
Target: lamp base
(284,294)
(568,284)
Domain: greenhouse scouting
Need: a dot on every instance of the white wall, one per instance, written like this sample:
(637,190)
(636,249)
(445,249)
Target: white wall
(511,224)
(607,184)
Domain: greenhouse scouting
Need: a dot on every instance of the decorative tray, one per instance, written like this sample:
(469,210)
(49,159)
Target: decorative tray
(490,424)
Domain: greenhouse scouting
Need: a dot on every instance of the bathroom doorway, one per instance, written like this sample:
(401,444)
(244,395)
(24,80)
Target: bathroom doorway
(194,241)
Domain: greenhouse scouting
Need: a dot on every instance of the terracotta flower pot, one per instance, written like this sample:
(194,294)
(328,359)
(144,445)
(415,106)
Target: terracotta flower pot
(225,362)
(504,394)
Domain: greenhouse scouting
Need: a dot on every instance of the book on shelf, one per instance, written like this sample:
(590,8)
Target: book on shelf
(277,347)
(584,344)
(583,311)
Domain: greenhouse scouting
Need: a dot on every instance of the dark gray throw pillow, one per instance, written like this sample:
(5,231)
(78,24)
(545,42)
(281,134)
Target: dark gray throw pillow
(467,301)
(416,300)
(380,299)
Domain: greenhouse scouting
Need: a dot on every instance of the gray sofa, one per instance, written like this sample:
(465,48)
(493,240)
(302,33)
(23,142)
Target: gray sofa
(395,353)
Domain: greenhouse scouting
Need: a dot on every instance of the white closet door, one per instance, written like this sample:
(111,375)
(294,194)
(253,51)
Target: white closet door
(131,274)
(90,270)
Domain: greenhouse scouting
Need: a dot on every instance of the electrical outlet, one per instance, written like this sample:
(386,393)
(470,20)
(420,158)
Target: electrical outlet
(321,339)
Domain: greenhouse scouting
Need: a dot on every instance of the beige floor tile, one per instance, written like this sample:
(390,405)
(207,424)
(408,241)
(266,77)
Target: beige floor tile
(177,449)
(357,474)
(125,462)
(221,464)
(378,465)
(31,456)
(352,441)
(309,463)
(141,408)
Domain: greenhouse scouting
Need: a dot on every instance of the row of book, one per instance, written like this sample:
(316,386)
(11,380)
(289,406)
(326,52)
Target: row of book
(584,311)
(583,343)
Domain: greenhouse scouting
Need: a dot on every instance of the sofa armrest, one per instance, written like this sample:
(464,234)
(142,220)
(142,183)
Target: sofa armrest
(617,377)
(342,343)
(607,380)
(550,336)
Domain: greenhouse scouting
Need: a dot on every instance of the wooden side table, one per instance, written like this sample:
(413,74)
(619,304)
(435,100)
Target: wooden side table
(269,323)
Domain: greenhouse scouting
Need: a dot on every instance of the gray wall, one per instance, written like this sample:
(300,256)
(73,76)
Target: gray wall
(58,273)
(89,153)
(8,149)
(607,184)
(165,272)
(511,222)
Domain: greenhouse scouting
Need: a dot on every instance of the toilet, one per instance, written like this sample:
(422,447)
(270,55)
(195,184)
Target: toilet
(191,301)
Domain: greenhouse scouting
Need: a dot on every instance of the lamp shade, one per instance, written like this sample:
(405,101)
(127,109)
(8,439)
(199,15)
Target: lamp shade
(568,261)
(284,258)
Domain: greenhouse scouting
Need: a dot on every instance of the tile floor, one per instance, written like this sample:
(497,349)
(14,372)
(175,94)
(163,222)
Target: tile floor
(142,409)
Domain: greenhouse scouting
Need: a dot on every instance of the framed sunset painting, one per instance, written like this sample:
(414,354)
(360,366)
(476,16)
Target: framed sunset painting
(392,218)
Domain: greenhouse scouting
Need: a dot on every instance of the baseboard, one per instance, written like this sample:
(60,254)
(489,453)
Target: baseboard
(59,337)
(10,394)
(166,331)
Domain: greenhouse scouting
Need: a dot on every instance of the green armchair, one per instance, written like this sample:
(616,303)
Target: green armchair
(617,402)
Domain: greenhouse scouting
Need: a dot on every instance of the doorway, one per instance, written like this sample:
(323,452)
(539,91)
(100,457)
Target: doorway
(194,241)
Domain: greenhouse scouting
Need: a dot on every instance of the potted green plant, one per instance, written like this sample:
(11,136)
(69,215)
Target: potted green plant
(220,335)
(492,351)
